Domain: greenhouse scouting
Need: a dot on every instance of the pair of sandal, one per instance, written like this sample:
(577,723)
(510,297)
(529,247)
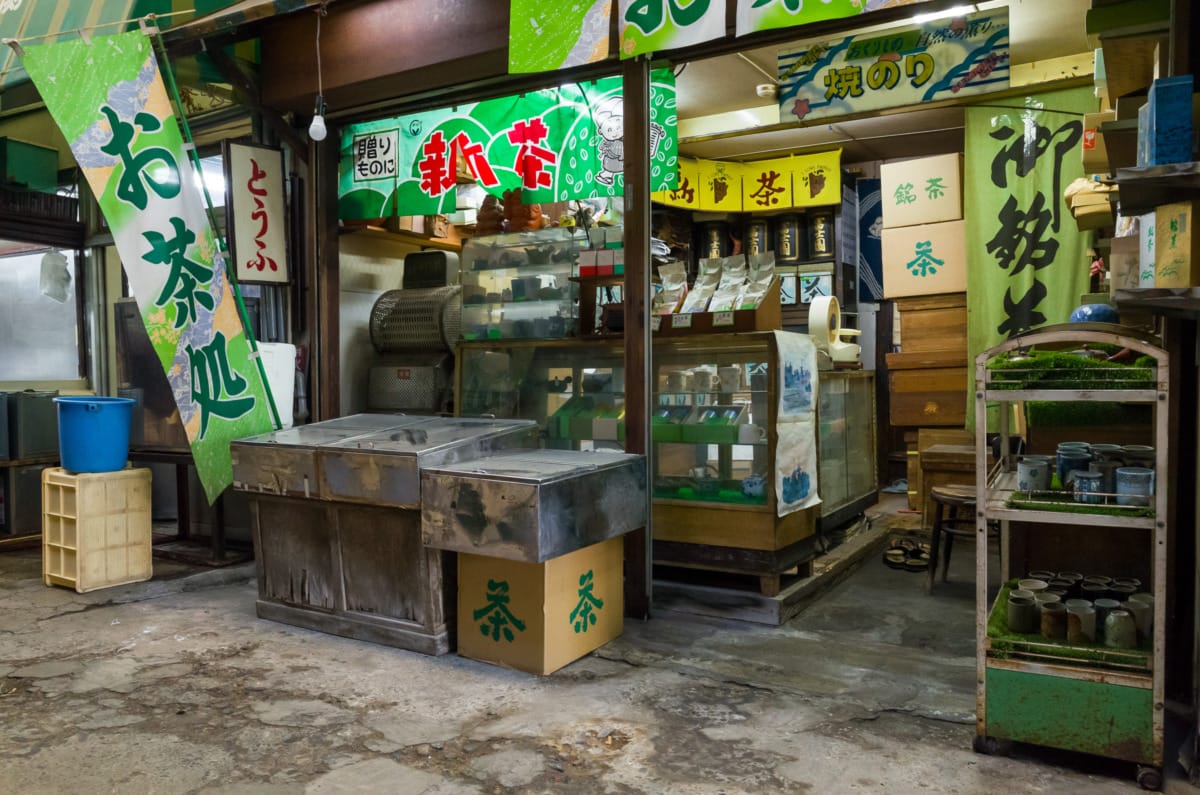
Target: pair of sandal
(908,555)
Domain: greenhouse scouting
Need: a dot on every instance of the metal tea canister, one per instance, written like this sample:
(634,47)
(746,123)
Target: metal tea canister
(820,235)
(791,239)
(758,238)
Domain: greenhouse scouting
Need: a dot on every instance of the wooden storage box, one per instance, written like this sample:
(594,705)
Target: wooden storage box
(933,323)
(538,617)
(928,396)
(96,528)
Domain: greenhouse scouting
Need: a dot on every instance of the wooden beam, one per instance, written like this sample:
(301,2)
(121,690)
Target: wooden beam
(638,375)
(249,93)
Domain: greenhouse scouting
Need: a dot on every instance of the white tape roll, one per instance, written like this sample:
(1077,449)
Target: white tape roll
(825,321)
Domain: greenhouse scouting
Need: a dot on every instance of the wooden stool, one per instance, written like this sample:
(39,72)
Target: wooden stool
(960,500)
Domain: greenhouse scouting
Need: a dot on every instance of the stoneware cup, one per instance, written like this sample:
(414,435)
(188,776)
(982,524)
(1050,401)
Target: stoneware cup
(1134,485)
(1046,597)
(1120,630)
(1033,474)
(1054,621)
(1081,624)
(1041,574)
(1103,608)
(1032,584)
(1143,619)
(1022,615)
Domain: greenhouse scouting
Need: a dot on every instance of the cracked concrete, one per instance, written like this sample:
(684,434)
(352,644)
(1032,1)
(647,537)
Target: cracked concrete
(181,688)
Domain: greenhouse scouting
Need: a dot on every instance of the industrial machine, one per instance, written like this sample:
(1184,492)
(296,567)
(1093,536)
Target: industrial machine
(414,331)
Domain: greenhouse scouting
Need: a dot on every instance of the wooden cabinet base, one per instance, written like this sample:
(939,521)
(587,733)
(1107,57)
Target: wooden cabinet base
(736,526)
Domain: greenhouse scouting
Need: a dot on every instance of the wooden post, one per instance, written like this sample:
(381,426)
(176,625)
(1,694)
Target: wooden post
(325,282)
(636,86)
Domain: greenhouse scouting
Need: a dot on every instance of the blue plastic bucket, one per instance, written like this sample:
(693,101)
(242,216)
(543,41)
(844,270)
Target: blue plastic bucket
(93,433)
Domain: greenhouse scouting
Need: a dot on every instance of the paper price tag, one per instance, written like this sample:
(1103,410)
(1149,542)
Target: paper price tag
(681,321)
(722,319)
(656,323)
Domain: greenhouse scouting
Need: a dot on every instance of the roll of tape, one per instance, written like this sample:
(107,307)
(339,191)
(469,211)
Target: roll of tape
(825,320)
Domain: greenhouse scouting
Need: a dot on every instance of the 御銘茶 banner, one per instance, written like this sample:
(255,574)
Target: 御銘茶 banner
(554,145)
(548,36)
(107,97)
(658,25)
(951,57)
(756,15)
(1027,261)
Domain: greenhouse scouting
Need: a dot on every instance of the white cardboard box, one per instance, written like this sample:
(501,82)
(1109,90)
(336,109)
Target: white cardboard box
(925,260)
(926,190)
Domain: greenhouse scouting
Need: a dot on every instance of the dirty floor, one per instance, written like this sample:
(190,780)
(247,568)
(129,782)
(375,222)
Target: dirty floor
(175,686)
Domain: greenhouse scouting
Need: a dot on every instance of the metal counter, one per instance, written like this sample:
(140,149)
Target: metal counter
(532,505)
(337,530)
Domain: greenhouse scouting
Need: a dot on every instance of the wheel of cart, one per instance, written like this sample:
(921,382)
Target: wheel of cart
(1149,778)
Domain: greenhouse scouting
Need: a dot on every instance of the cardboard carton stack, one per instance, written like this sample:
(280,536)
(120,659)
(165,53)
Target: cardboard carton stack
(924,271)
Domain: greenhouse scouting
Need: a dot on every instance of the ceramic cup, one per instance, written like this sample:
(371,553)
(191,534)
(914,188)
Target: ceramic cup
(1087,486)
(1021,593)
(1093,590)
(1022,615)
(1143,597)
(1046,597)
(1143,618)
(1081,624)
(1033,474)
(1074,576)
(1066,586)
(1134,581)
(1054,621)
(751,434)
(1108,477)
(679,381)
(730,378)
(1031,584)
(1121,592)
(1134,485)
(1069,461)
(1107,452)
(1103,608)
(1120,630)
(1078,603)
(1041,574)
(1141,455)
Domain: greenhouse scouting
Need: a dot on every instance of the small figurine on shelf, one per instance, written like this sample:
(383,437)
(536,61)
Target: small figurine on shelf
(490,219)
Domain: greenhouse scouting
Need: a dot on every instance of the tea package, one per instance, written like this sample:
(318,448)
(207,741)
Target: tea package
(762,273)
(706,284)
(673,277)
(729,290)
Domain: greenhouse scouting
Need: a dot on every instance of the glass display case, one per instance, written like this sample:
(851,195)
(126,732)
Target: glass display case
(846,426)
(713,427)
(519,285)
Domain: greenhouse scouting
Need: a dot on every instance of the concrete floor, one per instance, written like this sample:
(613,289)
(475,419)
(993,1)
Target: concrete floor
(176,686)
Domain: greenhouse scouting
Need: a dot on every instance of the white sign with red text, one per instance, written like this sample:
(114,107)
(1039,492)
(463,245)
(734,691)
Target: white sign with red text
(256,210)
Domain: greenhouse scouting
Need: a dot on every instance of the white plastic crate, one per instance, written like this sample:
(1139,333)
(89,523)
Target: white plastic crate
(96,528)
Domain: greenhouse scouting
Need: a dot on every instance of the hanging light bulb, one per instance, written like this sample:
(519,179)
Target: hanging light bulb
(316,129)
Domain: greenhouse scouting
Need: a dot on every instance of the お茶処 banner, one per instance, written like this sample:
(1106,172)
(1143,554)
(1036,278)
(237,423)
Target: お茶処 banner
(554,145)
(756,15)
(108,98)
(546,37)
(952,57)
(1027,261)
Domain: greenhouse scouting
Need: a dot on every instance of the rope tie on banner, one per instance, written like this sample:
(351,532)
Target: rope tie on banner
(189,145)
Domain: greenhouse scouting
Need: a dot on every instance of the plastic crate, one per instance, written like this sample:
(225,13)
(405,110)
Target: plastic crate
(96,528)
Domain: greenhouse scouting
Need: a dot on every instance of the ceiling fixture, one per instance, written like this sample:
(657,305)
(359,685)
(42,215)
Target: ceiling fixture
(316,130)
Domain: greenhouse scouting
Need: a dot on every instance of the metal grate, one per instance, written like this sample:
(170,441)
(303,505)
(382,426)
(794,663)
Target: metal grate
(423,319)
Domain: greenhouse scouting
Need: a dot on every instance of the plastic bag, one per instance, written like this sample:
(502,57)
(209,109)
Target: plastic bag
(673,276)
(706,284)
(733,278)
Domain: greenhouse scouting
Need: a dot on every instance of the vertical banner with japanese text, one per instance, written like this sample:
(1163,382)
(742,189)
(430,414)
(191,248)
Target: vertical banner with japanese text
(553,145)
(256,210)
(657,25)
(1027,261)
(546,37)
(943,59)
(107,97)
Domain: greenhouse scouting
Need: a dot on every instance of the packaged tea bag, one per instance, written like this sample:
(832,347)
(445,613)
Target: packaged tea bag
(705,286)
(673,277)
(762,273)
(733,278)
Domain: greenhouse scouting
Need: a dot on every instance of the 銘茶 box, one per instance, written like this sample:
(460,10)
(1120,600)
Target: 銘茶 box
(927,190)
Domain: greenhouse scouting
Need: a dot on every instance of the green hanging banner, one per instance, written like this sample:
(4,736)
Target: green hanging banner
(546,37)
(107,97)
(1027,261)
(554,145)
